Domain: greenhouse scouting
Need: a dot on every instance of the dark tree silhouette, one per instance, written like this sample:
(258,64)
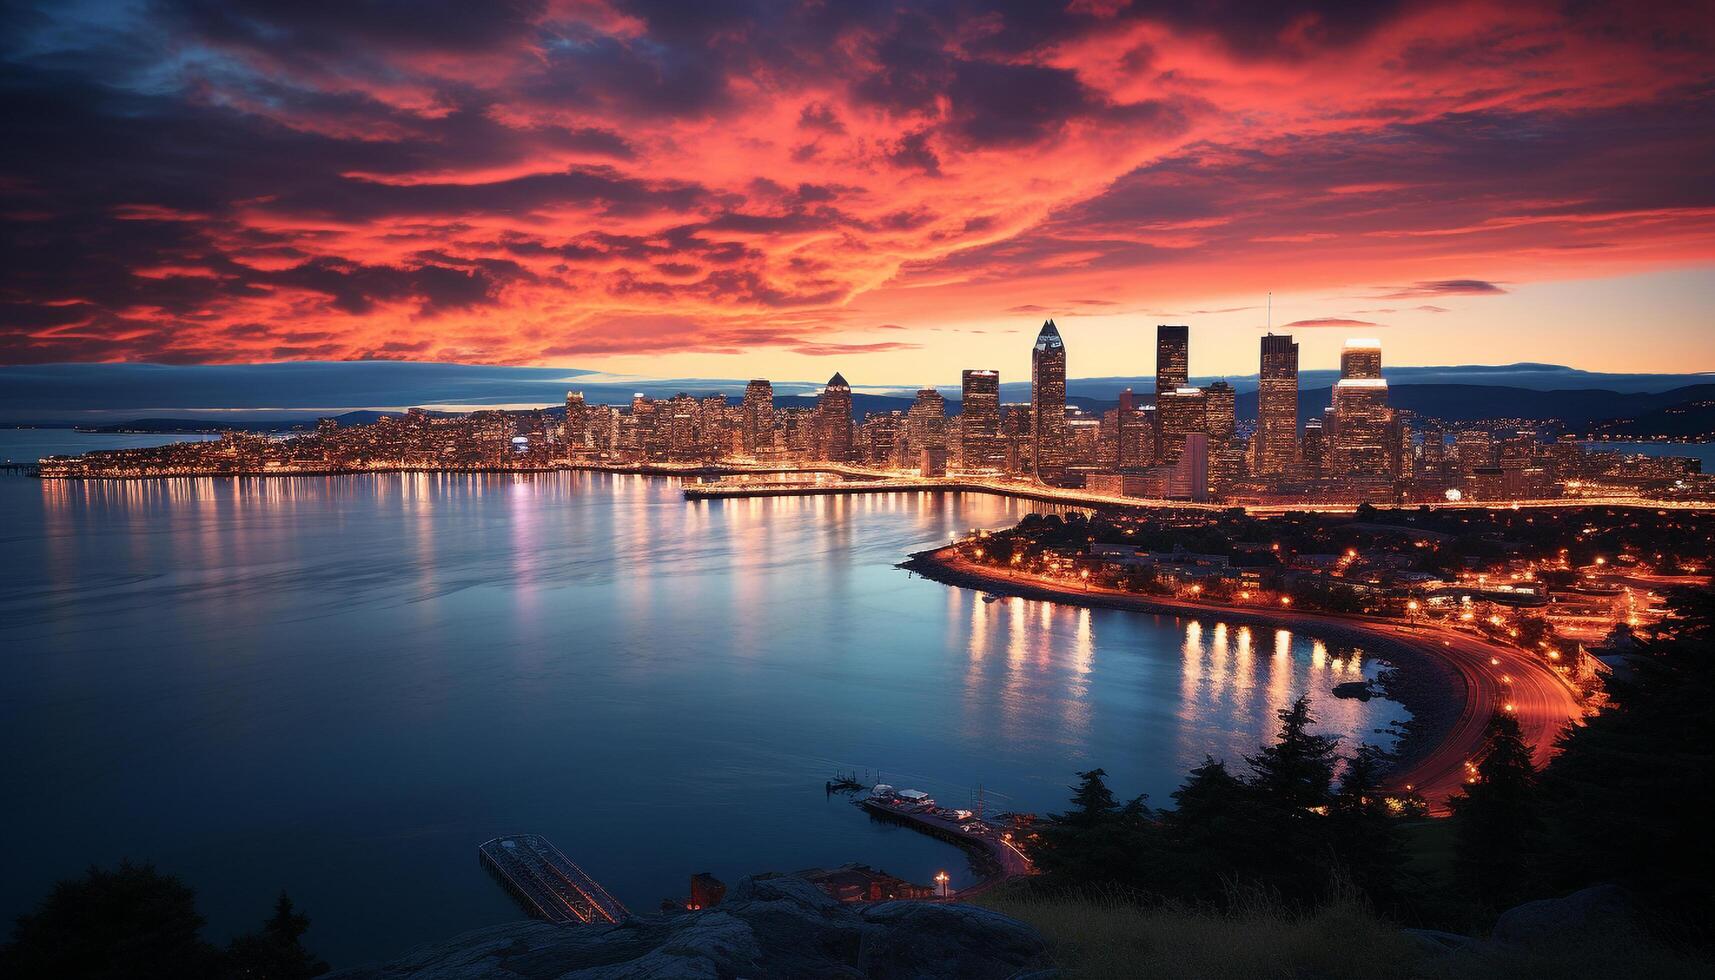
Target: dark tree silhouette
(1497,822)
(131,923)
(1365,830)
(1628,798)
(1297,771)
(1099,840)
(277,951)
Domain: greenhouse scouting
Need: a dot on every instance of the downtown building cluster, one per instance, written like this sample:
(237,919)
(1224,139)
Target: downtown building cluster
(1177,442)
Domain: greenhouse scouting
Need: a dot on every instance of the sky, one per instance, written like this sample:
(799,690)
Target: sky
(893,191)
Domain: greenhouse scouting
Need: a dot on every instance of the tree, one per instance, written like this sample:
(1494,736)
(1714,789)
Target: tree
(1496,820)
(1365,829)
(1297,771)
(1627,799)
(1099,840)
(1217,835)
(132,923)
(277,951)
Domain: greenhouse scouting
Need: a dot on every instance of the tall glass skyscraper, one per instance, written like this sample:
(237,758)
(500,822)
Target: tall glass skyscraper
(979,421)
(1048,404)
(1276,442)
(1172,358)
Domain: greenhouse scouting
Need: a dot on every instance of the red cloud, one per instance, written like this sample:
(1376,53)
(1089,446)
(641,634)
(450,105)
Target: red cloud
(520,182)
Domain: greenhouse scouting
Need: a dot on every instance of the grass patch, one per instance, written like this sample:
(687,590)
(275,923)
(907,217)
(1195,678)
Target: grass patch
(1112,936)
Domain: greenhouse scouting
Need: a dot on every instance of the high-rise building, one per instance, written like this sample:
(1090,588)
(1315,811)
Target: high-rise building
(834,420)
(1172,357)
(1315,452)
(1276,441)
(979,421)
(926,423)
(1048,405)
(1220,413)
(757,424)
(1360,444)
(577,427)
(1179,413)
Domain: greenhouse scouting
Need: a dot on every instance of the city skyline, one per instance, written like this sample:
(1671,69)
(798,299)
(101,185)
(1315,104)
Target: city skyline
(624,190)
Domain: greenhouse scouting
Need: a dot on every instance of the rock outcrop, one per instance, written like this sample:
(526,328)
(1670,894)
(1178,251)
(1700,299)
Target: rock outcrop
(769,926)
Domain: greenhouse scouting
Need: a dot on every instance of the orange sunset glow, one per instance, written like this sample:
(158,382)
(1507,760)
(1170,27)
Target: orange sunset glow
(898,190)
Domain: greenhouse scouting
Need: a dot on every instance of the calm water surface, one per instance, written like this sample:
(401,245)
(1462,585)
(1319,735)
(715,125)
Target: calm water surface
(341,686)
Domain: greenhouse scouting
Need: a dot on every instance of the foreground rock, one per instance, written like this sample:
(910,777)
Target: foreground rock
(767,927)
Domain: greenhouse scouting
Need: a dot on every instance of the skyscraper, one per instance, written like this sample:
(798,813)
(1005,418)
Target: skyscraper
(926,423)
(1048,404)
(1360,437)
(1172,357)
(1180,412)
(1277,407)
(577,429)
(979,420)
(757,418)
(834,420)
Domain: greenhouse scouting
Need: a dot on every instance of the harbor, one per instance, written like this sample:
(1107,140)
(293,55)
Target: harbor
(994,845)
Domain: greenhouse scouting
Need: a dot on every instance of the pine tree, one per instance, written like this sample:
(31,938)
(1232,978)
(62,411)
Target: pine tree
(1496,823)
(277,952)
(1627,799)
(1099,840)
(1297,771)
(1365,830)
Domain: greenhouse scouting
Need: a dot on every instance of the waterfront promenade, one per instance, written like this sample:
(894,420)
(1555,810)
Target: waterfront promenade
(1477,676)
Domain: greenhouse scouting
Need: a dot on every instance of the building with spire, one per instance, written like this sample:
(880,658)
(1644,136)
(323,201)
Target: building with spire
(1048,405)
(834,420)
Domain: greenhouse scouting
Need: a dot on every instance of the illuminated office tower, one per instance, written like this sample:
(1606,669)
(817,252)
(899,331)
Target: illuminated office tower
(1048,405)
(1361,417)
(1135,432)
(1315,449)
(1220,412)
(979,421)
(1179,413)
(1276,441)
(1221,409)
(1172,357)
(834,420)
(926,423)
(757,414)
(577,428)
(1434,461)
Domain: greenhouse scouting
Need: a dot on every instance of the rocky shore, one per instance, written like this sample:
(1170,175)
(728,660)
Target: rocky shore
(1430,689)
(768,926)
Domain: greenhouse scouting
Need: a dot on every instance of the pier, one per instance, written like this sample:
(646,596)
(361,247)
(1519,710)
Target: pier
(997,855)
(547,883)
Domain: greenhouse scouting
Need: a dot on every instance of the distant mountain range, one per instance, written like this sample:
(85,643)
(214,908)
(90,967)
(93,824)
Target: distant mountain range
(159,397)
(1684,412)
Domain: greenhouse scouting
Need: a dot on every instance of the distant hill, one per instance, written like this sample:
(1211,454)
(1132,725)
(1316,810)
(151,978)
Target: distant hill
(1693,419)
(1465,403)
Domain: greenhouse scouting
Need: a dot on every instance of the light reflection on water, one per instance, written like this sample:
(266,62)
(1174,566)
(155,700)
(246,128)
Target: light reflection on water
(341,685)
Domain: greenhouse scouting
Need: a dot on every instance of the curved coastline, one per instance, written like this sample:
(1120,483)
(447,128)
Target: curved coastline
(1450,683)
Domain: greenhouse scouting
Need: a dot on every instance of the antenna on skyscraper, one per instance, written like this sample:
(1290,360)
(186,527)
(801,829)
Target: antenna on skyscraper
(1271,312)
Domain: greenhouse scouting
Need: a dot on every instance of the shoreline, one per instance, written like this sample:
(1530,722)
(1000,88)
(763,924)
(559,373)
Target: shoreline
(1432,680)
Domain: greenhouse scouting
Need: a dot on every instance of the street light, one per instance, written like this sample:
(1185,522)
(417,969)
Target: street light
(941,879)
